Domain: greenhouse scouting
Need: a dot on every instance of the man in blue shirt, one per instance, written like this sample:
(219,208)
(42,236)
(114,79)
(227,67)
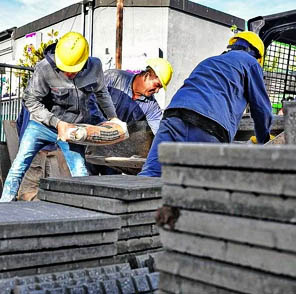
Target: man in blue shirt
(210,104)
(132,95)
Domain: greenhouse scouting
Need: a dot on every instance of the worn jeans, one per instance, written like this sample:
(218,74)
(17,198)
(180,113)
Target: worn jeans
(34,139)
(172,129)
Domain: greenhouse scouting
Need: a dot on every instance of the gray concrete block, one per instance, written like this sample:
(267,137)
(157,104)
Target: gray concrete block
(268,260)
(137,231)
(244,230)
(126,286)
(176,284)
(234,180)
(138,244)
(290,122)
(250,156)
(233,203)
(23,219)
(139,218)
(57,241)
(102,204)
(227,276)
(121,187)
(34,259)
(141,284)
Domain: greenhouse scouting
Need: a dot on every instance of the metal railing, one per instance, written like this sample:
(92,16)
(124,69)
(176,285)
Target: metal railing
(280,73)
(12,82)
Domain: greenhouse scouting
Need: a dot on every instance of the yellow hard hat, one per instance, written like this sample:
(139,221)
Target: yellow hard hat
(162,68)
(71,52)
(252,39)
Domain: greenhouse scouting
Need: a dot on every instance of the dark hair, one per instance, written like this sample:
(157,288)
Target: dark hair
(148,70)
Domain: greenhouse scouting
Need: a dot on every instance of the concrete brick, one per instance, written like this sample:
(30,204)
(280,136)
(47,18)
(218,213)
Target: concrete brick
(290,122)
(268,260)
(227,276)
(58,241)
(176,284)
(23,219)
(139,218)
(138,244)
(244,230)
(234,180)
(137,231)
(233,203)
(126,286)
(102,204)
(34,259)
(272,157)
(141,284)
(123,187)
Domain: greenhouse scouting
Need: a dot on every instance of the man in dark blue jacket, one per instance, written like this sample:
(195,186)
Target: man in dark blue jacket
(210,104)
(133,97)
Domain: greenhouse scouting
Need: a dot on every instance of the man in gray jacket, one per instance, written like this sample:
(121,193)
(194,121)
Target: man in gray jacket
(57,96)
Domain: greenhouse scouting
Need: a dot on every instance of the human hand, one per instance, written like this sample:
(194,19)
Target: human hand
(119,122)
(62,128)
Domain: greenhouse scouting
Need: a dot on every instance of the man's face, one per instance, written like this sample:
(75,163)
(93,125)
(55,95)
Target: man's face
(151,86)
(70,75)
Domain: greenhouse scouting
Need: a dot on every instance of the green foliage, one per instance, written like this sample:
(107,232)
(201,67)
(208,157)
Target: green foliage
(234,29)
(32,55)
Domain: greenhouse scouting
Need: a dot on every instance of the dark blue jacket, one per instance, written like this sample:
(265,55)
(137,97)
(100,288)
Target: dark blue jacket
(220,87)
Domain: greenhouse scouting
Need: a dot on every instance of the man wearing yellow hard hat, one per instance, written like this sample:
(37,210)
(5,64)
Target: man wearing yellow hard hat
(57,96)
(210,104)
(133,95)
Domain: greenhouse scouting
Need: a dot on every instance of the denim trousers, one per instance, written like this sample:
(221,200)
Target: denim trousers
(36,137)
(172,129)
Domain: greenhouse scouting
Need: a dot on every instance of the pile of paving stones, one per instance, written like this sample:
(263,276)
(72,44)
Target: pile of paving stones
(236,230)
(39,237)
(133,199)
(113,279)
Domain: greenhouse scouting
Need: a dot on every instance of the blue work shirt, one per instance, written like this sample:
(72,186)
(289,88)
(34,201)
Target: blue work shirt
(119,85)
(220,88)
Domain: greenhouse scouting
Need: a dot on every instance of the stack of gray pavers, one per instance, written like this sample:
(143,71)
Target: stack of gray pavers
(236,232)
(40,237)
(112,279)
(134,199)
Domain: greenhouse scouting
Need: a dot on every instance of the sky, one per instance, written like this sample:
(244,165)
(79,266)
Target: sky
(20,12)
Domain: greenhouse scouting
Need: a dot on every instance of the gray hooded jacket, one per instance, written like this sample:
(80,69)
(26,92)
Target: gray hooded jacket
(51,96)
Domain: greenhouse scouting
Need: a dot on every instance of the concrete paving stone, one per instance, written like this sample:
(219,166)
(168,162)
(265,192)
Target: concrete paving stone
(141,284)
(268,260)
(234,180)
(110,287)
(176,284)
(153,280)
(33,259)
(138,244)
(224,275)
(253,205)
(126,285)
(289,122)
(23,219)
(102,204)
(244,230)
(124,187)
(57,241)
(138,218)
(247,156)
(137,231)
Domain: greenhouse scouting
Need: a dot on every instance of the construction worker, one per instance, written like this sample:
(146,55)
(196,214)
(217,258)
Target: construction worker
(132,95)
(210,104)
(57,95)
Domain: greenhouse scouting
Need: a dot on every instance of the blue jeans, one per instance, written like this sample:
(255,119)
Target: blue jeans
(37,136)
(172,129)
